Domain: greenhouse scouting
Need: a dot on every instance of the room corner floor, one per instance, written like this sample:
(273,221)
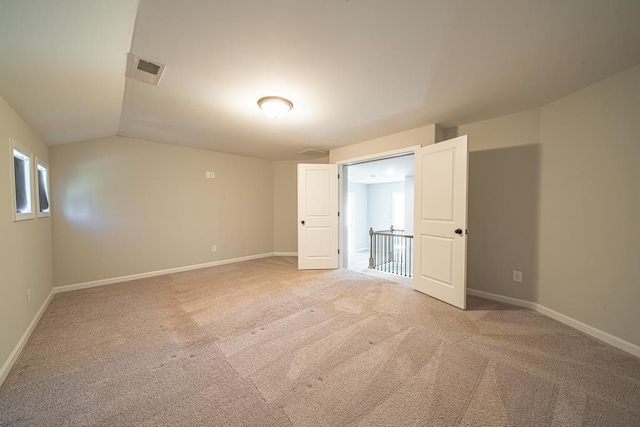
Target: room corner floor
(260,343)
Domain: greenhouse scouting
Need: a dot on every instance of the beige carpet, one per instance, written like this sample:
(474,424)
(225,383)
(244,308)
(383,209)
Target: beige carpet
(259,343)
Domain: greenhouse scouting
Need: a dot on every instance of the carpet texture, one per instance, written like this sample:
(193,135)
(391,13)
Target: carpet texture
(259,343)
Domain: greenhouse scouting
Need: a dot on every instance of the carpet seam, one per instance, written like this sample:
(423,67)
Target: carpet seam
(277,319)
(255,387)
(371,408)
(304,345)
(552,408)
(467,402)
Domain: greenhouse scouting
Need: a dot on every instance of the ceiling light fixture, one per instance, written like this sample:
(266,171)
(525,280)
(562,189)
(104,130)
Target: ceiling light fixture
(275,106)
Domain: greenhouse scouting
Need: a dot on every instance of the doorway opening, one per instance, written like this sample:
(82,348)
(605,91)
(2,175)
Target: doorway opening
(379,217)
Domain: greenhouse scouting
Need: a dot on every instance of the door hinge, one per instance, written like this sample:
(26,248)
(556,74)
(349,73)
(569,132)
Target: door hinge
(338,176)
(338,213)
(338,251)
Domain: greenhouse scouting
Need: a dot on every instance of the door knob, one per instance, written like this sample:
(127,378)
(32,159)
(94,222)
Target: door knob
(302,222)
(459,231)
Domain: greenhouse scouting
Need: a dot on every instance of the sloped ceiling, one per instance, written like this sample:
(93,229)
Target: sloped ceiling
(62,64)
(354,69)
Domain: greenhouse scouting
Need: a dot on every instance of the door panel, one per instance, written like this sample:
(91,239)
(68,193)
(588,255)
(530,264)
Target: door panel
(437,200)
(318,241)
(440,254)
(316,185)
(437,259)
(317,216)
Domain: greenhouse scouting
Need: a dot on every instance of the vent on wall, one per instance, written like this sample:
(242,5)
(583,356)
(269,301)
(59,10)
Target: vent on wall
(144,70)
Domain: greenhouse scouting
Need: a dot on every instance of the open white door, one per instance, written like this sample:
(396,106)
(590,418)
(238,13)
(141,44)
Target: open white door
(440,222)
(317,216)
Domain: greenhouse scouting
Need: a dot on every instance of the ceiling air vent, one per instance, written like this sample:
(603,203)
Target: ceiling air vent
(144,70)
(312,152)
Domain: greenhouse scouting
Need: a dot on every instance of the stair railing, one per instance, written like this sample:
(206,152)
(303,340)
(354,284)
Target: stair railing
(391,251)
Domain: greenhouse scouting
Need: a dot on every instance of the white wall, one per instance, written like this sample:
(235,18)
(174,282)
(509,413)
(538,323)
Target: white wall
(425,135)
(409,190)
(374,207)
(504,163)
(380,202)
(553,192)
(589,205)
(127,206)
(25,246)
(361,219)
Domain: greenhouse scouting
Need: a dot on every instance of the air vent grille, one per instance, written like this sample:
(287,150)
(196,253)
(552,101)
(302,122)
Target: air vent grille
(144,70)
(312,152)
(148,67)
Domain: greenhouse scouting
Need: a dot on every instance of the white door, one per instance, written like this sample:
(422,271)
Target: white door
(440,223)
(317,216)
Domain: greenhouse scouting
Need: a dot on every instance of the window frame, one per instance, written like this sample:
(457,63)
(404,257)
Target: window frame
(38,164)
(27,155)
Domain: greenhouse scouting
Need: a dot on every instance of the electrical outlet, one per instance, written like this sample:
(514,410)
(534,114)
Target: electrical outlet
(209,175)
(214,248)
(28,296)
(517,276)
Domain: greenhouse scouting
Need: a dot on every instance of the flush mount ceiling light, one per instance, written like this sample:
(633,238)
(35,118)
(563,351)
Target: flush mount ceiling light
(275,106)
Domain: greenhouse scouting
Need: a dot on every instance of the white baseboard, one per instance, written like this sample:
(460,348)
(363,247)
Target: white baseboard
(502,298)
(112,280)
(6,368)
(569,321)
(285,254)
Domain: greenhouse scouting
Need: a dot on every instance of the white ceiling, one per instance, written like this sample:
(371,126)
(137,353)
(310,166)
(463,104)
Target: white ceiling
(381,171)
(354,69)
(62,64)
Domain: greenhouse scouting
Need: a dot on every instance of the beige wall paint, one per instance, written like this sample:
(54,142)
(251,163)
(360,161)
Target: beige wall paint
(503,220)
(25,246)
(506,131)
(285,204)
(425,135)
(504,163)
(127,206)
(589,205)
(554,192)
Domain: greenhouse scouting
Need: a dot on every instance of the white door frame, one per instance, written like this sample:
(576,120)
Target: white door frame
(343,189)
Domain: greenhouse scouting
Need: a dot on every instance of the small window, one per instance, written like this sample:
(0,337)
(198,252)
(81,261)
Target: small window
(42,184)
(22,187)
